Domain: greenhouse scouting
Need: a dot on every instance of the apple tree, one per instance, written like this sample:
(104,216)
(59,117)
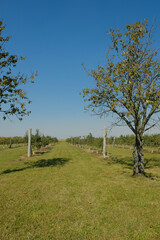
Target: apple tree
(128,87)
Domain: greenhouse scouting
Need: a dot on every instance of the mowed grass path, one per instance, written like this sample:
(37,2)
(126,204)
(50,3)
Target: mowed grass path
(69,194)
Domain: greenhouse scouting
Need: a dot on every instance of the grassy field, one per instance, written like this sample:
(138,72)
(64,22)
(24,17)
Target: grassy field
(69,194)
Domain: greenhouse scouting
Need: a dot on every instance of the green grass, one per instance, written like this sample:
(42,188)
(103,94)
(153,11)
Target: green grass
(70,194)
(14,145)
(10,157)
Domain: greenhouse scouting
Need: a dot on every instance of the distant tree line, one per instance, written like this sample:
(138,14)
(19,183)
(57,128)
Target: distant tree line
(86,140)
(149,140)
(14,140)
(97,142)
(38,140)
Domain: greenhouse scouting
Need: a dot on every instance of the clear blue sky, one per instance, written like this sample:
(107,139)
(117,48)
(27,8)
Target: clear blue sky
(56,37)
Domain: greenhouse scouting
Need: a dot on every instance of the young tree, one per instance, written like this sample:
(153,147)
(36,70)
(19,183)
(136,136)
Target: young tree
(13,99)
(129,85)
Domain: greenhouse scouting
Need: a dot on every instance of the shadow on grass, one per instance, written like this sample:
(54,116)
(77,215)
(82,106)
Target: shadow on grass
(152,162)
(128,162)
(152,176)
(39,164)
(149,163)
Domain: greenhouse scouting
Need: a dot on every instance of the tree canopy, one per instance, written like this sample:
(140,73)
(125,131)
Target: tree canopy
(13,99)
(129,85)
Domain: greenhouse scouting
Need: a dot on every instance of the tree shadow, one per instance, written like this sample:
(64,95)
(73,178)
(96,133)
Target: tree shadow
(127,163)
(152,176)
(152,162)
(39,164)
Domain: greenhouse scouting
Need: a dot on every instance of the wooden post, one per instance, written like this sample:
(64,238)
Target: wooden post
(29,142)
(10,144)
(104,141)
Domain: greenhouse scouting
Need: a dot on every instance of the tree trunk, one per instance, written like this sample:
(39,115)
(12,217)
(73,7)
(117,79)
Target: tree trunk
(138,157)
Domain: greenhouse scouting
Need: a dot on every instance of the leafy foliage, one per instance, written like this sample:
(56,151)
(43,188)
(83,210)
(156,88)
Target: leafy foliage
(13,99)
(39,140)
(129,85)
(88,140)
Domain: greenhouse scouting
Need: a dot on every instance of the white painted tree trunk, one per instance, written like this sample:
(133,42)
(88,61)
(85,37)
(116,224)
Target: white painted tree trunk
(104,141)
(29,142)
(10,144)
